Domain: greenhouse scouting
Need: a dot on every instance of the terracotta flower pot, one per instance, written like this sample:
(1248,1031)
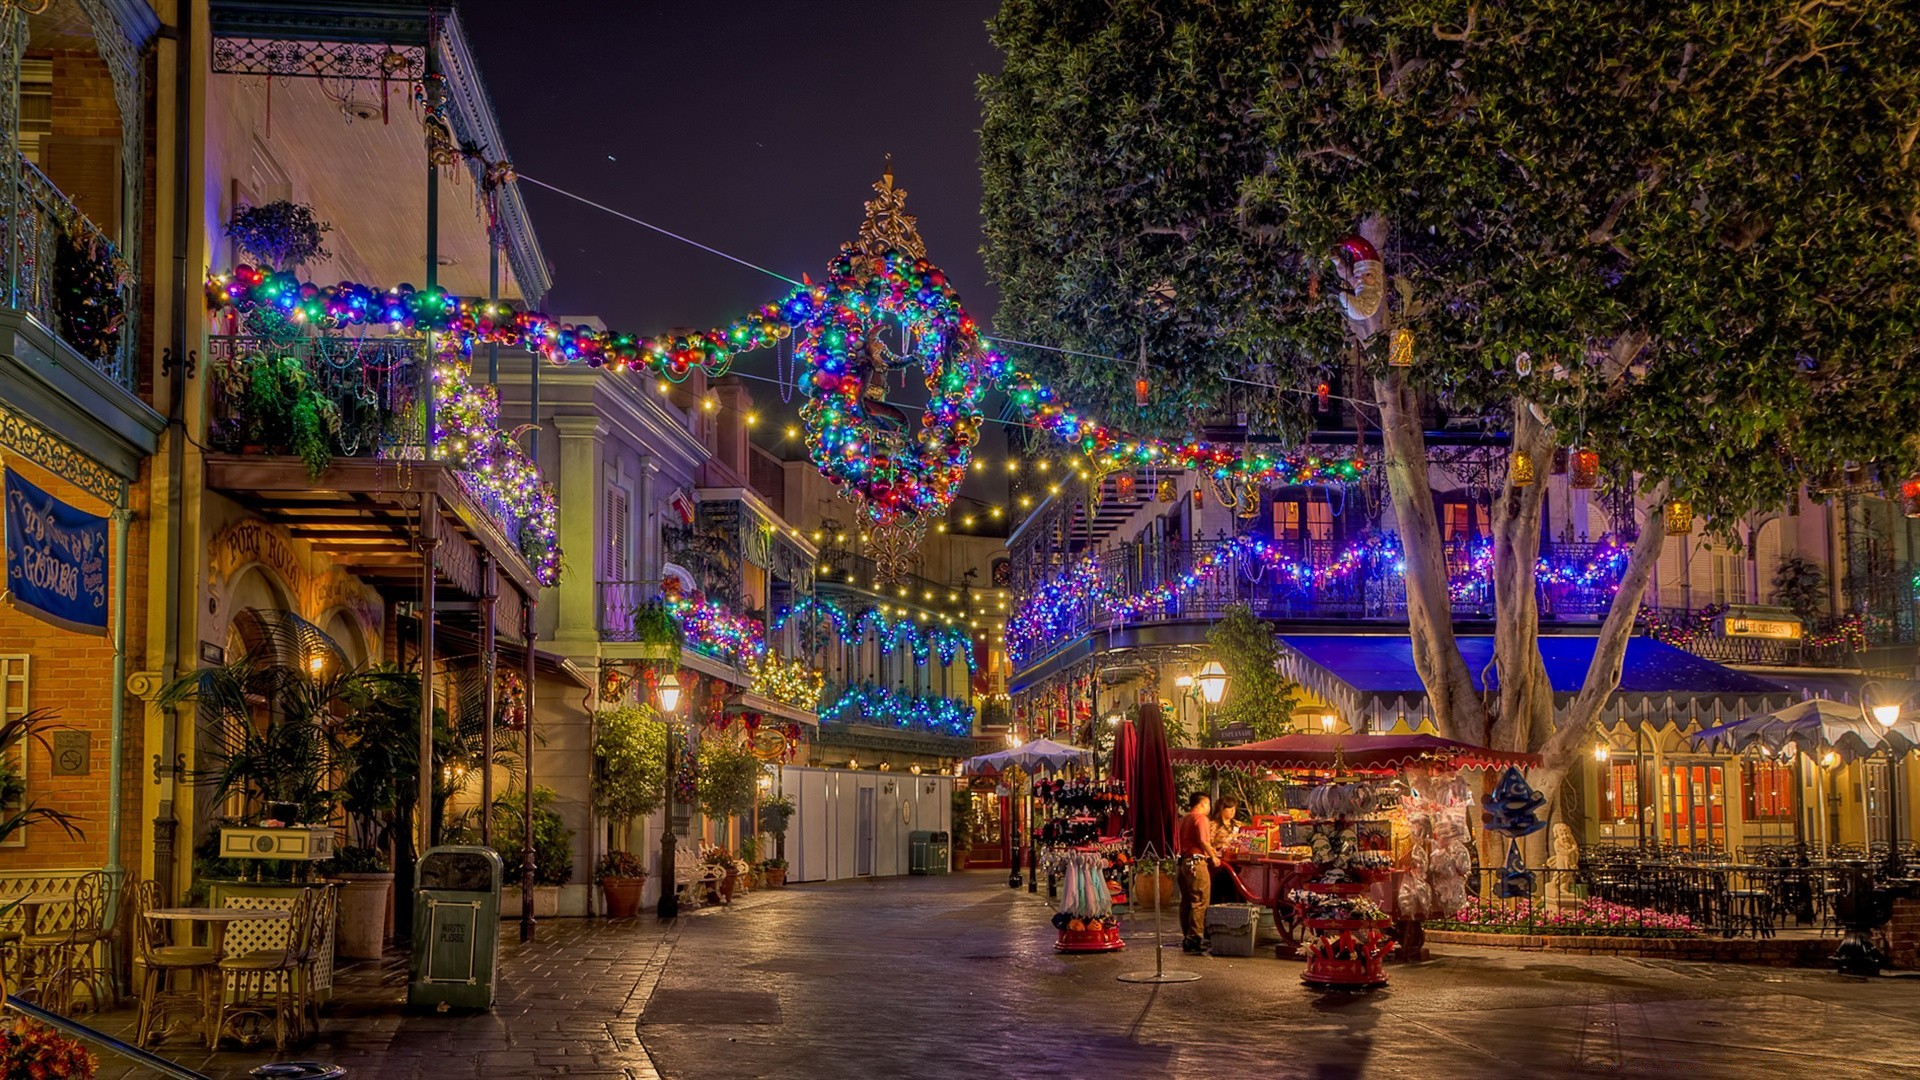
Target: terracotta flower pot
(623,895)
(728,884)
(776,877)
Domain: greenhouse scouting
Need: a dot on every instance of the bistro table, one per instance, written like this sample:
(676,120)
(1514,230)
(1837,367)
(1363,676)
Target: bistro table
(217,920)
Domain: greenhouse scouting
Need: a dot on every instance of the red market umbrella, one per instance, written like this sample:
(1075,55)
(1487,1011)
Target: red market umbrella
(1151,798)
(1361,753)
(1123,765)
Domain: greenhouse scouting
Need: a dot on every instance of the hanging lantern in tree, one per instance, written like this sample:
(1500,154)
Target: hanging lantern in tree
(1679,517)
(1167,490)
(1140,389)
(1520,469)
(1400,353)
(1323,395)
(1583,468)
(1123,486)
(1909,497)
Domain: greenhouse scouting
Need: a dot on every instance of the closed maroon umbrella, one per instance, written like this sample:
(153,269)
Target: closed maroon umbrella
(1153,797)
(1123,765)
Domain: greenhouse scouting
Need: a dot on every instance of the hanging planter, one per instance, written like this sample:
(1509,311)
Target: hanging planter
(1583,468)
(1679,517)
(1520,469)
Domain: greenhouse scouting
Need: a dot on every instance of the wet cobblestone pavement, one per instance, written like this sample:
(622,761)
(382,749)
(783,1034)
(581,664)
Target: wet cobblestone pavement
(956,977)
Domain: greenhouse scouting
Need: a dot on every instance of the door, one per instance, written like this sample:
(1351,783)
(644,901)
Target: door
(1693,805)
(1874,789)
(987,823)
(863,832)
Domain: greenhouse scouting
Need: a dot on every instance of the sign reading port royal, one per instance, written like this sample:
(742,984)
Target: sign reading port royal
(56,559)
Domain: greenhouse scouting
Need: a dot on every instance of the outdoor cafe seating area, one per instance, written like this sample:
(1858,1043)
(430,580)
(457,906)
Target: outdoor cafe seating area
(1757,890)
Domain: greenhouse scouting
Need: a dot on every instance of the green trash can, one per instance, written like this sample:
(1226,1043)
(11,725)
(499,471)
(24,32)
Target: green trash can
(456,928)
(939,853)
(919,842)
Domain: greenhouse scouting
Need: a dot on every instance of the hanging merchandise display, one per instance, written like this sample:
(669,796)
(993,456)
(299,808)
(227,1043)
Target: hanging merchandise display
(1085,920)
(1439,850)
(1347,930)
(1513,810)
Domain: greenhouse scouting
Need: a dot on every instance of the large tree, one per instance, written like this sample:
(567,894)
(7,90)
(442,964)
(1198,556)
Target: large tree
(1683,236)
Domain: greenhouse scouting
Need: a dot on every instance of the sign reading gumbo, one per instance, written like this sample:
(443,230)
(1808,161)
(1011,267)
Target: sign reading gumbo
(56,559)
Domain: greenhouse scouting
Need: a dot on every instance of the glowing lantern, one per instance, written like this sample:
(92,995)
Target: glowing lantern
(1583,468)
(1400,353)
(1140,388)
(1167,491)
(1520,469)
(1909,497)
(1123,486)
(1679,517)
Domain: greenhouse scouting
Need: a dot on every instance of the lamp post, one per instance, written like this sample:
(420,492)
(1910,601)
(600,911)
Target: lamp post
(1885,710)
(668,695)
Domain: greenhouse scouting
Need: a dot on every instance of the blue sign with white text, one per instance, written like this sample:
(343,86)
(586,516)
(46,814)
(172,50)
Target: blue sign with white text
(56,559)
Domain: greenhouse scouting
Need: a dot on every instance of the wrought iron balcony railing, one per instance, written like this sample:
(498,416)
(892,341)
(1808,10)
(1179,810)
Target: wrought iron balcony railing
(59,267)
(313,393)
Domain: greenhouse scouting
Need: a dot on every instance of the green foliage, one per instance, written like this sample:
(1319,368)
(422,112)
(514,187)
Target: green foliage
(286,411)
(16,812)
(357,860)
(994,715)
(619,864)
(653,624)
(87,276)
(776,813)
(552,840)
(725,776)
(962,817)
(629,763)
(1800,586)
(281,234)
(1258,696)
(1701,230)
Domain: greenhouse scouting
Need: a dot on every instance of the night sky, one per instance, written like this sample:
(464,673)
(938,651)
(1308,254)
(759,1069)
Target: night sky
(753,126)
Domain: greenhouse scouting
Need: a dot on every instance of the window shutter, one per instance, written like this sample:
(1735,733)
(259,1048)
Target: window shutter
(615,563)
(1668,572)
(1766,557)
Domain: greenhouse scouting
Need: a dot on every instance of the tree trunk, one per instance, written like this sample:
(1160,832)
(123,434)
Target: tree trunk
(1526,694)
(1457,710)
(1562,749)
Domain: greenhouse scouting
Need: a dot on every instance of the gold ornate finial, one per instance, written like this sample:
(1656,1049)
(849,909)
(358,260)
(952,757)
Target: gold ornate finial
(888,226)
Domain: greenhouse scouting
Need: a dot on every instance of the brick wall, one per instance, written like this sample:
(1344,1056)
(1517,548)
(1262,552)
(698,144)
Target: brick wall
(71,674)
(1903,935)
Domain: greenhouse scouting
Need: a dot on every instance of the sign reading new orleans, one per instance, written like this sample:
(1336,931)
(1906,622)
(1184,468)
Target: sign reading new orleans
(56,559)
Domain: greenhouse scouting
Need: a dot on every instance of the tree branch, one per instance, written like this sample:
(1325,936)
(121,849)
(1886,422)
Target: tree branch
(1610,648)
(1473,17)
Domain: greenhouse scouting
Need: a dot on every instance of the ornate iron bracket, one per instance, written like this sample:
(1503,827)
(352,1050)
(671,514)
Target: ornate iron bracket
(191,365)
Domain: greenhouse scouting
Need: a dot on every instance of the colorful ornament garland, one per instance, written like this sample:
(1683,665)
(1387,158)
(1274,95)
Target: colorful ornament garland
(718,632)
(467,437)
(852,628)
(870,703)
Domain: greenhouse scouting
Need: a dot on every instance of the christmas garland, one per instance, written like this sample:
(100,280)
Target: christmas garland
(873,704)
(923,642)
(855,438)
(716,631)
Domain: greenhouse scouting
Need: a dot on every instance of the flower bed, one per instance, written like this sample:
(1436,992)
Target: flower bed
(1599,918)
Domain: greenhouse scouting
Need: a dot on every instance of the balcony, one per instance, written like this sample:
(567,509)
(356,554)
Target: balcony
(67,275)
(347,408)
(1340,581)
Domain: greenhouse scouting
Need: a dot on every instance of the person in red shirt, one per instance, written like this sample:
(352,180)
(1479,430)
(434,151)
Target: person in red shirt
(1193,847)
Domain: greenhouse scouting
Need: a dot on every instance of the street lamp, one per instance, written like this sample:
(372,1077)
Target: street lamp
(667,693)
(1212,681)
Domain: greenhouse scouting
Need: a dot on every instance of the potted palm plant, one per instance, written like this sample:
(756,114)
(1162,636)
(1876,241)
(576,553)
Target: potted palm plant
(962,831)
(552,851)
(629,781)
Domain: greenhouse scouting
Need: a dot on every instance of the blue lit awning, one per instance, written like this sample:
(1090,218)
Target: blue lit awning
(1372,679)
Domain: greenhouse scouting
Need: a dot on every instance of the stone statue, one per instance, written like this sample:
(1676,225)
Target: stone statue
(1562,866)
